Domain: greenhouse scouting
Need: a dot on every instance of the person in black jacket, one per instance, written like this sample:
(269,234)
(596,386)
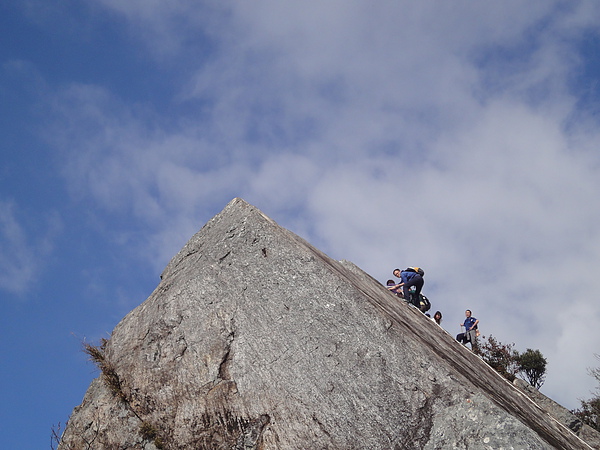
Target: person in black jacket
(408,278)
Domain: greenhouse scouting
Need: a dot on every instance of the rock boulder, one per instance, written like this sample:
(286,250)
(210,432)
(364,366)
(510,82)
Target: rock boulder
(254,339)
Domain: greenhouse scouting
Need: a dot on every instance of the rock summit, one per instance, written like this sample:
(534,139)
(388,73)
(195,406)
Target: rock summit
(254,339)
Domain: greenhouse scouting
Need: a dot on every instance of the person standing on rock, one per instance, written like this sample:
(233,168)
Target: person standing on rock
(470,325)
(413,276)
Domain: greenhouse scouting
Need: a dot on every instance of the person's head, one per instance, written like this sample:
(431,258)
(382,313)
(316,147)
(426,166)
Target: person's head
(468,313)
(397,273)
(391,283)
(438,316)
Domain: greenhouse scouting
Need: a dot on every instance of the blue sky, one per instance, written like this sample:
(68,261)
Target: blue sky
(457,136)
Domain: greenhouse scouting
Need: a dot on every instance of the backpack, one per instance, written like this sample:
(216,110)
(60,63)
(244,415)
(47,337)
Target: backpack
(425,304)
(415,270)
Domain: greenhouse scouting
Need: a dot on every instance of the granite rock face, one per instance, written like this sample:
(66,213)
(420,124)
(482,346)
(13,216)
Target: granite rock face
(254,339)
(560,413)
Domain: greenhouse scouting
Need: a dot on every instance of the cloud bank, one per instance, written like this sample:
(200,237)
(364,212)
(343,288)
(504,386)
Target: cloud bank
(449,136)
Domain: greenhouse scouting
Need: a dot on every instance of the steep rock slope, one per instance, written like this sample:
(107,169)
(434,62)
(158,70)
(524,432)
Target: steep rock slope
(254,339)
(560,413)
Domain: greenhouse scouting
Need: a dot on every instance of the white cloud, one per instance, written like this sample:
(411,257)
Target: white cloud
(22,256)
(389,134)
(17,262)
(504,221)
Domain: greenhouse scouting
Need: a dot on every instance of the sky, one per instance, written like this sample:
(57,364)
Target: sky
(461,137)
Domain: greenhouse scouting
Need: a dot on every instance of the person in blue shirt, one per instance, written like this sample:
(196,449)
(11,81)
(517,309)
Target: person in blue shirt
(470,325)
(409,279)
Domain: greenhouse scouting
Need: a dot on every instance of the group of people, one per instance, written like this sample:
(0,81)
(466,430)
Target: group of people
(409,288)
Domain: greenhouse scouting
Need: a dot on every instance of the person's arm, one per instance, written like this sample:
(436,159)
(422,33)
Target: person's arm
(474,324)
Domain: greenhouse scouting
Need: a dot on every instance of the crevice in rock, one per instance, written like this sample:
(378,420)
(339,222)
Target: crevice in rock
(226,360)
(418,433)
(183,348)
(321,426)
(222,258)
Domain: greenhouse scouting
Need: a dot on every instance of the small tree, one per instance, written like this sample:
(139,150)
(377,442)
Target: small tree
(532,364)
(500,357)
(589,412)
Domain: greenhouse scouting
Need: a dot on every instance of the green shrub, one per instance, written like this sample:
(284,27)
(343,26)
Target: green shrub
(532,364)
(589,412)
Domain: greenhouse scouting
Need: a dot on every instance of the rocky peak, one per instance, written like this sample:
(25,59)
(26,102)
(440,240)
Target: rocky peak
(254,339)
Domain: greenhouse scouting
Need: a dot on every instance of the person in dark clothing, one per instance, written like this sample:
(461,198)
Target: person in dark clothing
(408,279)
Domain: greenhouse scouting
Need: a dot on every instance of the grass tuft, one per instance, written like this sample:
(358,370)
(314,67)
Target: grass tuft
(97,354)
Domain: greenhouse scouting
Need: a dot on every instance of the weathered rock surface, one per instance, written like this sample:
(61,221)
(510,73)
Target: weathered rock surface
(560,413)
(254,339)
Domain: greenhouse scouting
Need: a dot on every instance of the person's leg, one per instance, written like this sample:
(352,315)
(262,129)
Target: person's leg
(406,292)
(418,284)
(472,338)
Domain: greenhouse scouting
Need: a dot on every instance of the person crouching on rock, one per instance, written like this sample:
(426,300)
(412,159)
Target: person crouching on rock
(408,279)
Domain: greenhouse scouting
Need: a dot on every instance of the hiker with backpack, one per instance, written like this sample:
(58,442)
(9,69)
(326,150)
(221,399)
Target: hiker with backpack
(409,277)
